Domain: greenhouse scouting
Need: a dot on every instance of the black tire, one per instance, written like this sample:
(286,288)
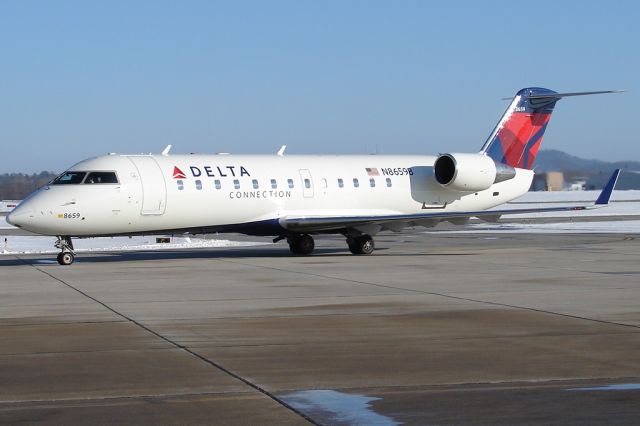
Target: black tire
(363,245)
(352,243)
(293,247)
(302,244)
(306,244)
(367,245)
(66,258)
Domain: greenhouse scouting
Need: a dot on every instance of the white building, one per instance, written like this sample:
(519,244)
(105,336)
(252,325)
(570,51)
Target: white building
(579,185)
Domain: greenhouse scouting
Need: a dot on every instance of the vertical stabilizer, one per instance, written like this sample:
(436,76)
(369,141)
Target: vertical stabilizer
(517,137)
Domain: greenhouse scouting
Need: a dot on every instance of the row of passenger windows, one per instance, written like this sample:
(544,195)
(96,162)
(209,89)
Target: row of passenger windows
(290,184)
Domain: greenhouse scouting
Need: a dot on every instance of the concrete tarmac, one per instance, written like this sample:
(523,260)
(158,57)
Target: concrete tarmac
(431,329)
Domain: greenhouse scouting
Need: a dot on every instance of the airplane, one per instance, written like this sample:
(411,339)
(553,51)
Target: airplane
(295,197)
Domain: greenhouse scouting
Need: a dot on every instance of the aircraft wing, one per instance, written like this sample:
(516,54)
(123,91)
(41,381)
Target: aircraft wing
(332,223)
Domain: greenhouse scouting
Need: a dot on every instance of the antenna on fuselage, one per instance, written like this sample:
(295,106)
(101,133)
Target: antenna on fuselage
(280,152)
(166,151)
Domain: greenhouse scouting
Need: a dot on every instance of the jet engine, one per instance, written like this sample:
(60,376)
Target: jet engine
(470,172)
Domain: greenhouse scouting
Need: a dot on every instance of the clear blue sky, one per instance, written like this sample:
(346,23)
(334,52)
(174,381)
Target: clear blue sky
(82,78)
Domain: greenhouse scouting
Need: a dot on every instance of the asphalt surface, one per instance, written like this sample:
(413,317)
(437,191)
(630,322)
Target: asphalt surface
(431,329)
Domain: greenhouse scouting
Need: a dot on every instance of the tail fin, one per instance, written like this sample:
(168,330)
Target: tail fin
(517,136)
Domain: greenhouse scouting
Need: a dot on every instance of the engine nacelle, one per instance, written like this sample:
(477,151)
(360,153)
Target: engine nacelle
(470,172)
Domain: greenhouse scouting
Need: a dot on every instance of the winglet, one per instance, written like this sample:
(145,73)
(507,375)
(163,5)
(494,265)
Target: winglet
(166,151)
(603,198)
(280,152)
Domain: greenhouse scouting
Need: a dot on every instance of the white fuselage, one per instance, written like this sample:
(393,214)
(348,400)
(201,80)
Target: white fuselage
(245,193)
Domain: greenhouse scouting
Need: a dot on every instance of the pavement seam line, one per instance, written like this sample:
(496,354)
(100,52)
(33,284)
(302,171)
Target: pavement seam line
(181,347)
(466,299)
(168,396)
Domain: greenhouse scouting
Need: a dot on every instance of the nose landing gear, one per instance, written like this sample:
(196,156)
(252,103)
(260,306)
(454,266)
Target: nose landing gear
(66,255)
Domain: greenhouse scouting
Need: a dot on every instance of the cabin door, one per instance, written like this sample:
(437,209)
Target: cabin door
(154,188)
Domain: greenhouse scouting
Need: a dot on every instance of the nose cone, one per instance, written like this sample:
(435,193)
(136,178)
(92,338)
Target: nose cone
(20,216)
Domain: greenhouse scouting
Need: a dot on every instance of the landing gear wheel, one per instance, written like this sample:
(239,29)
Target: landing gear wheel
(301,244)
(66,255)
(66,258)
(361,245)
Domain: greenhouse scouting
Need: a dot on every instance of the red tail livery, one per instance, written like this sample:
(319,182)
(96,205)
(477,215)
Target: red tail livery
(517,137)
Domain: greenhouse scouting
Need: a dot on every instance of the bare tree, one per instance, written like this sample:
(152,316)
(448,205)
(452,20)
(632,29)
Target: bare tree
(16,186)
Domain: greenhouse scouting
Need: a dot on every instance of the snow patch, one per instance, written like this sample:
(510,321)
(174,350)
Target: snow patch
(44,245)
(608,227)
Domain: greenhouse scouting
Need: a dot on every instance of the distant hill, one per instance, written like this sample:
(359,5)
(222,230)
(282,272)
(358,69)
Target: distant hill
(553,160)
(595,172)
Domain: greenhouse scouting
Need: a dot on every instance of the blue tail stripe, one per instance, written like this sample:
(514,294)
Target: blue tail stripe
(534,139)
(496,152)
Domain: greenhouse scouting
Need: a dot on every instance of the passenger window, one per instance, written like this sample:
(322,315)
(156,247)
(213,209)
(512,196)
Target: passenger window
(255,183)
(101,177)
(198,184)
(372,182)
(217,183)
(356,184)
(340,183)
(69,178)
(290,183)
(180,185)
(389,182)
(307,183)
(324,183)
(274,184)
(236,184)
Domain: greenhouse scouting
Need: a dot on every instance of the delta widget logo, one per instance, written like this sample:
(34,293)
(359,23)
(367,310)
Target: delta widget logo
(178,174)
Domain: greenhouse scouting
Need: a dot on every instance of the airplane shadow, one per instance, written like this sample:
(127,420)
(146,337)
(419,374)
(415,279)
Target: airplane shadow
(218,253)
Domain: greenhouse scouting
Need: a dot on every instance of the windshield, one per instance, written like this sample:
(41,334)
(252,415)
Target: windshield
(69,178)
(101,177)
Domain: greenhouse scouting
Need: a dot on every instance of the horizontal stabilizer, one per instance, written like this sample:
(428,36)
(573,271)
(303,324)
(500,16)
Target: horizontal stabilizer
(565,95)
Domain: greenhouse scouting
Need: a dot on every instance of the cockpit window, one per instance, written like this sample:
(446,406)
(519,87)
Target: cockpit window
(101,177)
(69,178)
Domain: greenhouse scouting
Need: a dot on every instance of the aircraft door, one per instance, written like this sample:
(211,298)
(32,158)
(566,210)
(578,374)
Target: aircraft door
(154,188)
(307,183)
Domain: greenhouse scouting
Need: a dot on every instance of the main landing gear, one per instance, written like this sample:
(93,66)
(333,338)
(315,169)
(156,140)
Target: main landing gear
(66,255)
(362,244)
(303,244)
